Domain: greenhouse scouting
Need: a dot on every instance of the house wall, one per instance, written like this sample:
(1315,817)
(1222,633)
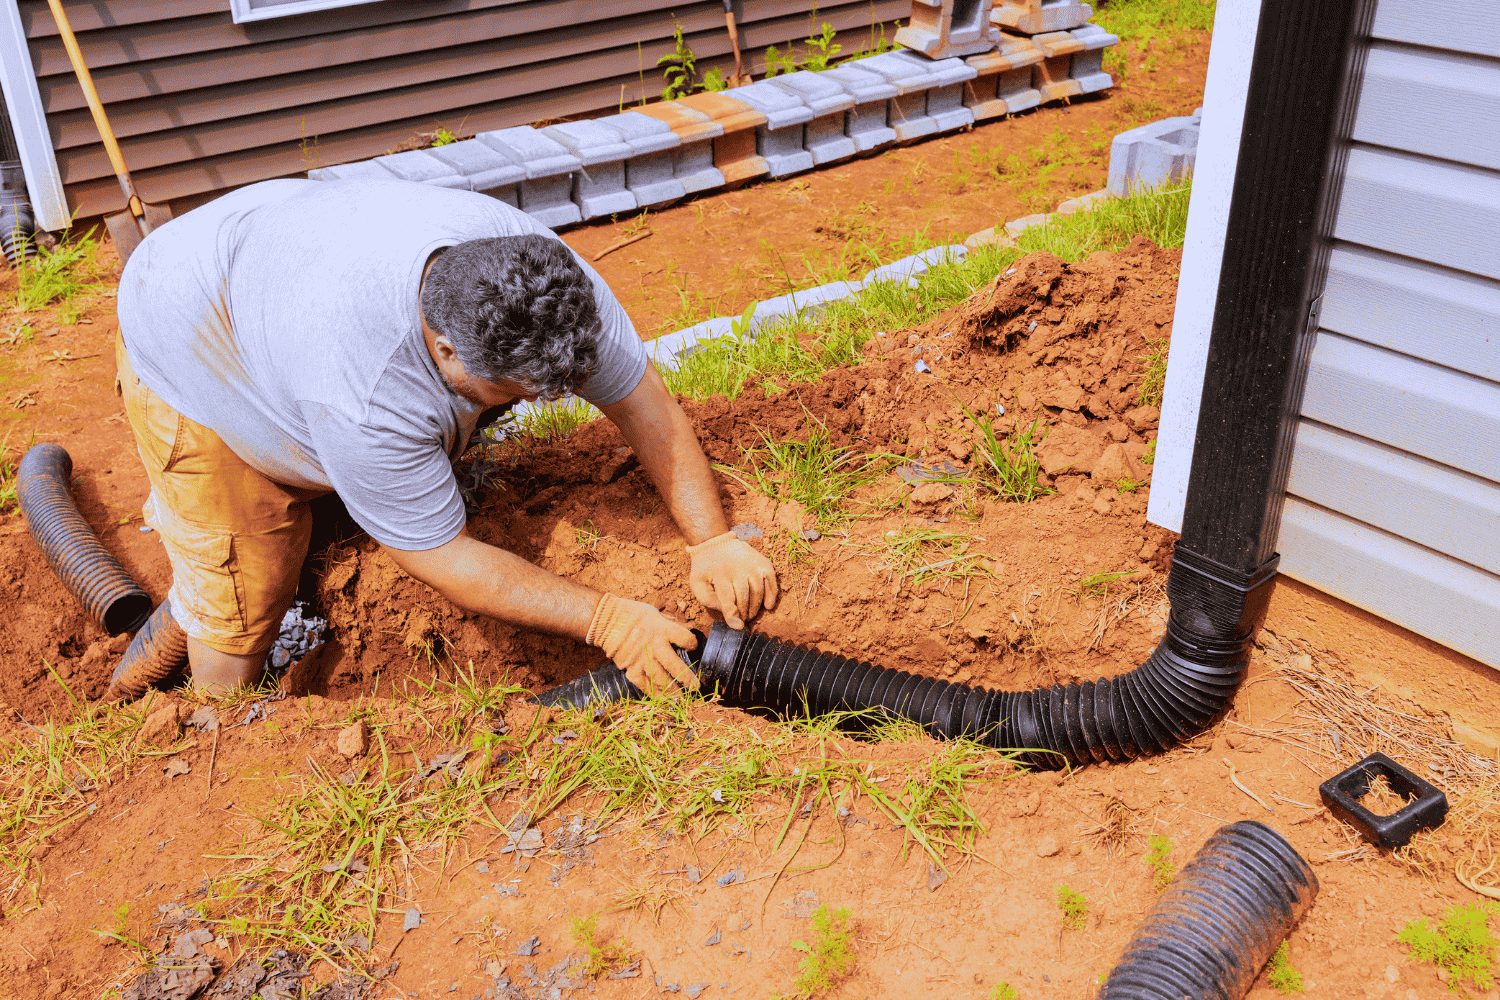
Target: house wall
(1393,500)
(201,104)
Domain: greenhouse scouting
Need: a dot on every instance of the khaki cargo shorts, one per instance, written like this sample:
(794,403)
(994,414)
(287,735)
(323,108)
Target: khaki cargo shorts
(236,539)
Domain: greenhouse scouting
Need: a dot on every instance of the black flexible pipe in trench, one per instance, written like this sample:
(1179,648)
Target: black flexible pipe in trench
(72,549)
(1181,690)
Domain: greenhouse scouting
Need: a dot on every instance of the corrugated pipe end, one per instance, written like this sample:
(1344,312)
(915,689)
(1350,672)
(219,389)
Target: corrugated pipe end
(17,221)
(74,552)
(607,684)
(1219,921)
(156,658)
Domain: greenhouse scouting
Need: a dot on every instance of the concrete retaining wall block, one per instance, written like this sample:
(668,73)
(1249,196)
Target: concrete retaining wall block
(868,122)
(912,80)
(1050,76)
(1003,82)
(1034,17)
(416,165)
(547,192)
(693,162)
(734,151)
(1088,65)
(824,134)
(781,139)
(942,28)
(487,169)
(649,171)
(599,183)
(1146,157)
(364,170)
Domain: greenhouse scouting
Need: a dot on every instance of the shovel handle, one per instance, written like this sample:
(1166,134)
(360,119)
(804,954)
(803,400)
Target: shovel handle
(96,108)
(734,35)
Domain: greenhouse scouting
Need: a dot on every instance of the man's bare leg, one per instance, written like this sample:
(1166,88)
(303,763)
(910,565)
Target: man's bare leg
(219,673)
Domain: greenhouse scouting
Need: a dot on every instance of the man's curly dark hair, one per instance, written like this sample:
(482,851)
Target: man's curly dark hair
(518,309)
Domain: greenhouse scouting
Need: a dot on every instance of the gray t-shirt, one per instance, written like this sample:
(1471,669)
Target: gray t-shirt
(285,316)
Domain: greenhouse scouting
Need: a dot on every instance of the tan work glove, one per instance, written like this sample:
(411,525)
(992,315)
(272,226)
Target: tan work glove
(731,577)
(639,639)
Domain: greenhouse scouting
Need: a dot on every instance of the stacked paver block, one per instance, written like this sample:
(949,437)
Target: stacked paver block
(1052,73)
(1160,153)
(868,122)
(416,165)
(1035,17)
(1088,65)
(912,81)
(1003,85)
(825,137)
(945,100)
(363,170)
(487,170)
(942,28)
(781,139)
(547,192)
(693,162)
(734,151)
(649,173)
(599,183)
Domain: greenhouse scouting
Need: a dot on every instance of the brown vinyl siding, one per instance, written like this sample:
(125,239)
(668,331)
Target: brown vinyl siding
(202,104)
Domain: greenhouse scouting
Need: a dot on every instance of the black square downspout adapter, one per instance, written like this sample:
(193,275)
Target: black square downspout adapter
(1299,113)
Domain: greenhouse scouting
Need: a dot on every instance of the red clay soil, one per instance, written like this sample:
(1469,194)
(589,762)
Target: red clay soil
(1051,342)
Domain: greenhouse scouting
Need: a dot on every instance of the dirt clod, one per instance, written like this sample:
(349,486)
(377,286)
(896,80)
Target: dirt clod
(161,727)
(354,740)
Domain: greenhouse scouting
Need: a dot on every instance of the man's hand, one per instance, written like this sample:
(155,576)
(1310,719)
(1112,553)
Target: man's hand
(730,576)
(639,639)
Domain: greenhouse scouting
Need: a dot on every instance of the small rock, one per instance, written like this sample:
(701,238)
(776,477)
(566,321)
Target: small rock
(529,947)
(190,944)
(1048,847)
(745,532)
(810,535)
(1143,418)
(160,728)
(694,990)
(713,938)
(1236,740)
(935,877)
(931,493)
(413,919)
(730,877)
(177,766)
(354,740)
(204,720)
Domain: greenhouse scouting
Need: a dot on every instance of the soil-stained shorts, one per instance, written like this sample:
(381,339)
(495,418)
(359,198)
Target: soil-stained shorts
(236,539)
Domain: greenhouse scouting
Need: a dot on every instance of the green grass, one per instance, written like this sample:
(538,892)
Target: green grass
(556,419)
(46,771)
(1011,467)
(1462,944)
(1074,906)
(1159,860)
(1283,978)
(815,473)
(599,957)
(1135,20)
(926,554)
(1154,379)
(58,277)
(1160,214)
(829,959)
(1001,991)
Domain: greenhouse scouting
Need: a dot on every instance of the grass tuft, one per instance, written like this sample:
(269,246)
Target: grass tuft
(598,958)
(1283,978)
(1011,466)
(1461,945)
(1154,380)
(1074,906)
(1159,860)
(814,473)
(556,419)
(1133,20)
(830,957)
(1001,991)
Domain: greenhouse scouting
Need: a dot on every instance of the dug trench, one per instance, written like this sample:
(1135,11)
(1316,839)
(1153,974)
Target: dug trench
(938,576)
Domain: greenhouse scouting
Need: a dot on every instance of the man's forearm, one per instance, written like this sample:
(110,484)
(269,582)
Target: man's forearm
(487,580)
(668,449)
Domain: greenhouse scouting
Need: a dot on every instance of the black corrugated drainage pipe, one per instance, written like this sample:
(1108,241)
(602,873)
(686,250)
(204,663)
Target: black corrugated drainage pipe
(72,549)
(157,657)
(17,222)
(1304,83)
(1216,925)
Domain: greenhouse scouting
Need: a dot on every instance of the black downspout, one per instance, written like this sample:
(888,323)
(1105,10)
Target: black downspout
(1304,87)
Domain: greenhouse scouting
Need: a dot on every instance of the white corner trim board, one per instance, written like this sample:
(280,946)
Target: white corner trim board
(24,102)
(1235,26)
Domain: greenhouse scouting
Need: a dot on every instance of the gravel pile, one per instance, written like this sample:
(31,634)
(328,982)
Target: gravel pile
(301,633)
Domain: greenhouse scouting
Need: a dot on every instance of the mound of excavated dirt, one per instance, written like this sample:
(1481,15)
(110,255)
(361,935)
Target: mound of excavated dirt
(1050,342)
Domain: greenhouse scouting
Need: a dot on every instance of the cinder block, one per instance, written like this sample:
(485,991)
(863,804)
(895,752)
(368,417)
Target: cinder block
(693,162)
(912,80)
(945,105)
(486,168)
(649,173)
(1003,82)
(824,134)
(599,183)
(362,170)
(868,122)
(1146,157)
(1035,17)
(1050,76)
(416,165)
(942,28)
(734,152)
(547,192)
(781,140)
(1088,65)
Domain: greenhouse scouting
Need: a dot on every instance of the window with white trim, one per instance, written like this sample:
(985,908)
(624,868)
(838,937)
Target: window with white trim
(261,10)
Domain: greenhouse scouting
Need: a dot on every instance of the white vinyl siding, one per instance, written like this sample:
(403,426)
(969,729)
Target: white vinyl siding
(1394,496)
